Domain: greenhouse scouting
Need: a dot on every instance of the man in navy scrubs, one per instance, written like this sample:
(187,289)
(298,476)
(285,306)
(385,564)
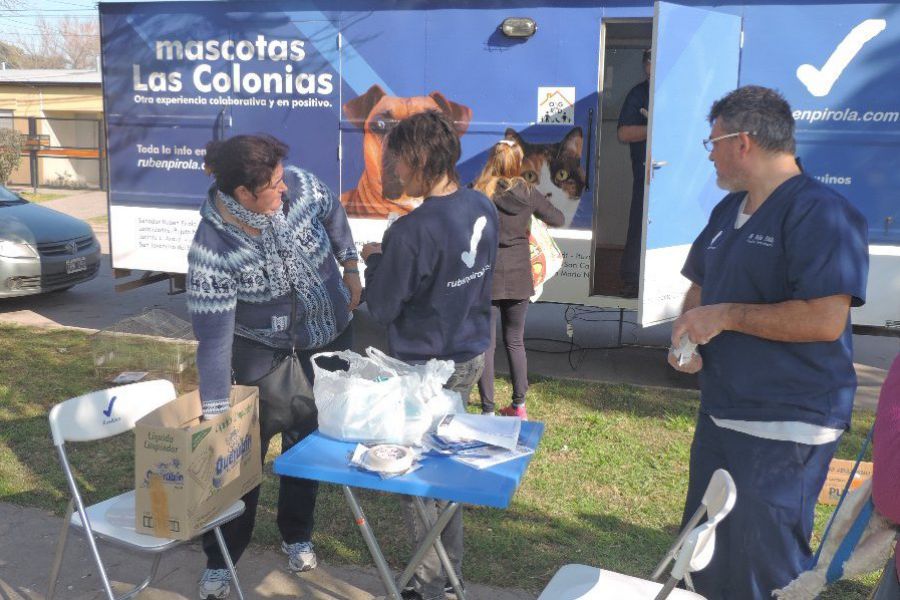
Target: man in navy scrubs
(632,130)
(773,276)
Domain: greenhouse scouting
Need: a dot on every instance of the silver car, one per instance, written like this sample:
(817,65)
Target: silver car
(42,250)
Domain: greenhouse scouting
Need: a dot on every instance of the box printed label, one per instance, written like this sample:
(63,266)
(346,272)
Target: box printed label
(187,470)
(238,453)
(168,473)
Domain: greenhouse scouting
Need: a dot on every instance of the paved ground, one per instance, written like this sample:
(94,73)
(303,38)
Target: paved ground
(29,537)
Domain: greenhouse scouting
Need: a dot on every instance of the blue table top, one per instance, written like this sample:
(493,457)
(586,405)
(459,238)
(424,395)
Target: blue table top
(325,459)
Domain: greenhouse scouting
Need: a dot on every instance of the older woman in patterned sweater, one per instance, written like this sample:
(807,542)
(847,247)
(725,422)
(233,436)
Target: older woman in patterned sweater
(263,281)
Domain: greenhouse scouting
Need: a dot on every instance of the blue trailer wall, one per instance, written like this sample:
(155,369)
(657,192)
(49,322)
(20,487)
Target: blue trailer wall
(849,137)
(161,109)
(455,56)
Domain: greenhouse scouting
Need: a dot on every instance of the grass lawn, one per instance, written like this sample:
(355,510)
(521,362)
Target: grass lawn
(101,220)
(605,487)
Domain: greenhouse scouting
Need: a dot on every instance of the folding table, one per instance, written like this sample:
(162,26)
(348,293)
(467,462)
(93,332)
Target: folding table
(324,459)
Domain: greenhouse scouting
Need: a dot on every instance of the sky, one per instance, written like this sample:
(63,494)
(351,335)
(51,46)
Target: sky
(19,19)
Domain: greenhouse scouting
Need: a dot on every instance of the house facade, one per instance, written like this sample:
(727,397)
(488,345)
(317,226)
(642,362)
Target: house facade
(60,112)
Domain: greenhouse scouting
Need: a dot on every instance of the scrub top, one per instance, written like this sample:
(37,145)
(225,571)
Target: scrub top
(637,98)
(806,241)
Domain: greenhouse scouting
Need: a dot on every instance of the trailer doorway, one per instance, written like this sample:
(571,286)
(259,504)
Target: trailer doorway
(622,44)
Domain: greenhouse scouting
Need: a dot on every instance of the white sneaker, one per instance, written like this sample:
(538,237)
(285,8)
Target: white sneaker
(301,556)
(215,584)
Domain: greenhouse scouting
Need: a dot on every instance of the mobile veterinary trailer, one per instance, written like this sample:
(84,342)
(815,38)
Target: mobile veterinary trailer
(331,78)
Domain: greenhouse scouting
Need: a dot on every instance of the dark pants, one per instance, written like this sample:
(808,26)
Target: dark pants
(763,544)
(630,267)
(429,577)
(512,321)
(296,497)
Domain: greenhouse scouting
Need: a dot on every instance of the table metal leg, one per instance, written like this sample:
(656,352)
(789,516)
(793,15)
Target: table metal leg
(383,570)
(433,538)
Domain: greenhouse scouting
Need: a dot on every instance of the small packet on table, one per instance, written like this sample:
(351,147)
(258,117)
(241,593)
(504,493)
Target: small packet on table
(388,460)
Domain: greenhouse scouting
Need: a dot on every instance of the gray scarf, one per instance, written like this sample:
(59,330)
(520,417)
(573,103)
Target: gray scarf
(276,243)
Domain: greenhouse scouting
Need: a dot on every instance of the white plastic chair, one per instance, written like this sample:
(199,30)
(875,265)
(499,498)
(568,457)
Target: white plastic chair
(692,551)
(97,416)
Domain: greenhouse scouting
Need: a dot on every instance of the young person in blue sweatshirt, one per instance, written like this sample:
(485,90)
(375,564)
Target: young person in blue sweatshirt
(429,283)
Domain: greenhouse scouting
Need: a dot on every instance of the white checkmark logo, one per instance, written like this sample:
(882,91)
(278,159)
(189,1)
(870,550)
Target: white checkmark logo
(820,81)
(468,257)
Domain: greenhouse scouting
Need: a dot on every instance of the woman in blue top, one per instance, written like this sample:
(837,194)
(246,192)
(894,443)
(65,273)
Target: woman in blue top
(263,281)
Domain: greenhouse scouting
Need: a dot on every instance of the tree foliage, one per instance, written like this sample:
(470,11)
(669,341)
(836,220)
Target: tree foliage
(67,43)
(12,55)
(10,152)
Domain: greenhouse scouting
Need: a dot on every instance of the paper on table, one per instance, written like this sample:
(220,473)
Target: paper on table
(488,456)
(497,431)
(434,443)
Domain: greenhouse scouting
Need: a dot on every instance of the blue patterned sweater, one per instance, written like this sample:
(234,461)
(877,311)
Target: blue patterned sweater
(228,287)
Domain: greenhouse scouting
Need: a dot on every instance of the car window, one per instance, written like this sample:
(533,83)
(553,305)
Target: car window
(7,197)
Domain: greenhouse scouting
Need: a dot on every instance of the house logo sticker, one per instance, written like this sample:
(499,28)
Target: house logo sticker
(820,80)
(556,105)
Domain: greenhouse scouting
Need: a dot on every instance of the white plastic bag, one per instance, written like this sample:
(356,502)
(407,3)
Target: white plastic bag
(380,399)
(432,377)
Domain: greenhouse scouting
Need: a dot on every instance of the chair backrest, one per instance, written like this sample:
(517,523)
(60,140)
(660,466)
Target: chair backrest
(697,548)
(109,412)
(720,495)
(695,544)
(696,552)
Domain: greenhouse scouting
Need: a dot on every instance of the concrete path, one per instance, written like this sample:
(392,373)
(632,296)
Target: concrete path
(85,205)
(28,539)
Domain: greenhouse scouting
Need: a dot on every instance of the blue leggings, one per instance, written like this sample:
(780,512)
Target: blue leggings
(763,544)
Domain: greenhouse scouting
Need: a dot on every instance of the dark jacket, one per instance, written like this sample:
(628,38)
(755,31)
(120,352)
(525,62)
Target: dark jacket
(431,285)
(512,271)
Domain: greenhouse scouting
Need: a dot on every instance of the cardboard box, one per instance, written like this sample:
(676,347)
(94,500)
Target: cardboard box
(186,470)
(838,472)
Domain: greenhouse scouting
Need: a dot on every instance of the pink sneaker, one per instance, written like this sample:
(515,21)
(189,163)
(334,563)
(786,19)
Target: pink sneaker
(515,411)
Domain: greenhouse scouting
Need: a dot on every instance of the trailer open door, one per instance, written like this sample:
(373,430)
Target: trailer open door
(696,57)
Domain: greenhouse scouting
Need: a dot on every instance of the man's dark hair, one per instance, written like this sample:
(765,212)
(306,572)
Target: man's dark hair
(429,144)
(646,56)
(761,111)
(244,160)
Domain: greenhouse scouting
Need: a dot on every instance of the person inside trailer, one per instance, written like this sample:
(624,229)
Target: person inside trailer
(632,130)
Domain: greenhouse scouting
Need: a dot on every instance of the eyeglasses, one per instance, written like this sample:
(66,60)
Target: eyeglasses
(711,142)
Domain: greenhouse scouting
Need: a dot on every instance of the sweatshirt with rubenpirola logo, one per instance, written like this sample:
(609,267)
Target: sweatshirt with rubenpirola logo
(431,286)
